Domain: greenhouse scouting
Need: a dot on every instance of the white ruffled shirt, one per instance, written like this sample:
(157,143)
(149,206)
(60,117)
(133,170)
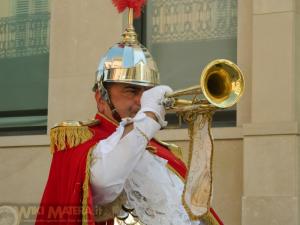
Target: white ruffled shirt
(124,164)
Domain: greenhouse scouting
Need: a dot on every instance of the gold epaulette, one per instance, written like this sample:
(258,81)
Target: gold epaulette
(70,134)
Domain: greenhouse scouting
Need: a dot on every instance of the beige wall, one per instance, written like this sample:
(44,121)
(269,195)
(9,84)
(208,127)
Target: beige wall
(244,58)
(24,171)
(271,137)
(256,164)
(81,32)
(5,8)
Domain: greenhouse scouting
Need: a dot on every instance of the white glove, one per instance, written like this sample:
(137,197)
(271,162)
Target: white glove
(151,101)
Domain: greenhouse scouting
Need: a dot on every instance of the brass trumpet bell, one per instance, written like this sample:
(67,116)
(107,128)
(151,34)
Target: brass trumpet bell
(221,83)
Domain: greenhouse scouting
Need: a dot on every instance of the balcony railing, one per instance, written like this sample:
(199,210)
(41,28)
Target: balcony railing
(24,35)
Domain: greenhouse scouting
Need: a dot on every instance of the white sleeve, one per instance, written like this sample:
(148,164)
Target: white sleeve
(116,157)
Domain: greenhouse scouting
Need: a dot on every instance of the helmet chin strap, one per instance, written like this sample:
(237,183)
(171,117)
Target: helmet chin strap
(105,94)
(114,111)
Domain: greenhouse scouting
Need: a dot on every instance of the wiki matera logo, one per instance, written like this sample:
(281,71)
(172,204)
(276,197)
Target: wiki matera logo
(9,215)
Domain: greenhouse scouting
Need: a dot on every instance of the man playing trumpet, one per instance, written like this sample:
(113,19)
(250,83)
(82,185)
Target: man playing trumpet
(110,170)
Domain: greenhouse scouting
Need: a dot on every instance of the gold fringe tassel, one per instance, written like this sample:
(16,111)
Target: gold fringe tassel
(209,219)
(61,137)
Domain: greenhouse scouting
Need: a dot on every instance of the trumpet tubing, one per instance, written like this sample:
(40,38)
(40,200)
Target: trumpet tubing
(187,91)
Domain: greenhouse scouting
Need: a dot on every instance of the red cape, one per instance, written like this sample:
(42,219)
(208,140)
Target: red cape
(67,199)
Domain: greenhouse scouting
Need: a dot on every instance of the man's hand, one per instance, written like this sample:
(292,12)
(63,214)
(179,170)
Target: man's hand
(151,103)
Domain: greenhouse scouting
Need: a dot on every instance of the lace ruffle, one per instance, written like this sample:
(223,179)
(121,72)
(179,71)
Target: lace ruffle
(155,193)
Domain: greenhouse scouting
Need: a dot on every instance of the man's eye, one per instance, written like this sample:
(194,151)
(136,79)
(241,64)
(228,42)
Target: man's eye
(132,90)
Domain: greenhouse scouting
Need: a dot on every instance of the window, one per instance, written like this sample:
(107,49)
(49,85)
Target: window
(184,36)
(24,65)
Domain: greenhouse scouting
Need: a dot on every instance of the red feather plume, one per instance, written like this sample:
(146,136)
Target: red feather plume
(136,5)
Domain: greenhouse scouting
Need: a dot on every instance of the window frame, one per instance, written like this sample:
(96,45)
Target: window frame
(221,118)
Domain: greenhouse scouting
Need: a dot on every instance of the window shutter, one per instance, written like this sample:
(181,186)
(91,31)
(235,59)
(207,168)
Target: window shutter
(40,6)
(22,7)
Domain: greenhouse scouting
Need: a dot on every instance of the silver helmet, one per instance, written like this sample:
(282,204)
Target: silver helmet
(127,62)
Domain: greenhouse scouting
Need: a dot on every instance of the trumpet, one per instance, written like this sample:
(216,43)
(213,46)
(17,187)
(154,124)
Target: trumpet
(221,86)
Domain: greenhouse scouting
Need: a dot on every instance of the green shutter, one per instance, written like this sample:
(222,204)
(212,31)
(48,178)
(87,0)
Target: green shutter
(22,7)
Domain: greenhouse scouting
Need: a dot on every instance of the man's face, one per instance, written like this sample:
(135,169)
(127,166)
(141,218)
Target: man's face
(126,98)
